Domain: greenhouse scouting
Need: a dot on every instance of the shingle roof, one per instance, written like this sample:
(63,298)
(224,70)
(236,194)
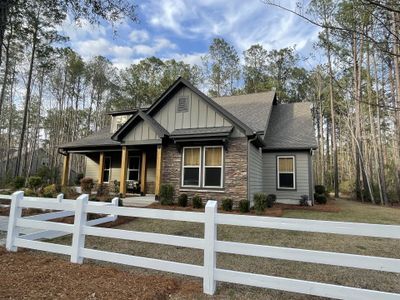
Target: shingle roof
(251,109)
(99,138)
(290,127)
(202,131)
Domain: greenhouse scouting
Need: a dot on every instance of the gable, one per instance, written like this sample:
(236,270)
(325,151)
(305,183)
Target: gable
(185,109)
(140,133)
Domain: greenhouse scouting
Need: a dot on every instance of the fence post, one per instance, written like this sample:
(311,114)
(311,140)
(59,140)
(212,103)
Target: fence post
(78,238)
(60,197)
(210,257)
(15,213)
(114,202)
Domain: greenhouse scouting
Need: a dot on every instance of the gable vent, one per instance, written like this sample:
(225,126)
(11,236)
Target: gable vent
(183,105)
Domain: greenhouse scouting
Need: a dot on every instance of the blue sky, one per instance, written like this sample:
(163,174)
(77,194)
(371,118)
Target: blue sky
(183,30)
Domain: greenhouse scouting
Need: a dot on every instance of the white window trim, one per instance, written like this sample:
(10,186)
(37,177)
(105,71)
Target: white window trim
(133,169)
(294,172)
(183,166)
(221,167)
(109,170)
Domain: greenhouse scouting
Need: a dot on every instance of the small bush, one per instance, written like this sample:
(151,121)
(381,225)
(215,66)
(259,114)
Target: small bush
(197,202)
(271,199)
(29,193)
(50,191)
(320,189)
(116,187)
(69,192)
(87,185)
(227,204)
(103,193)
(34,182)
(18,182)
(244,206)
(183,200)
(167,194)
(304,200)
(321,199)
(260,202)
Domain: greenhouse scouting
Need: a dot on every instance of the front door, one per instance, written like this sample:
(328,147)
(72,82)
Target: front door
(133,173)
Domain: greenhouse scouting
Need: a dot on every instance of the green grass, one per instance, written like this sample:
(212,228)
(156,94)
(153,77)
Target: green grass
(351,211)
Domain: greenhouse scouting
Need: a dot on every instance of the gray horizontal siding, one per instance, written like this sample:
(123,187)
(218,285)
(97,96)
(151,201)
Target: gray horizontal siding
(302,177)
(255,171)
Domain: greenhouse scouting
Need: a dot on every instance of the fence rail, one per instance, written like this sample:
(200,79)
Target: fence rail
(209,244)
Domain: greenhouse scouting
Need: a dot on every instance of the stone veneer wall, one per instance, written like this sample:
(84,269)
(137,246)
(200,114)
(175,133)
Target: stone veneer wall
(235,172)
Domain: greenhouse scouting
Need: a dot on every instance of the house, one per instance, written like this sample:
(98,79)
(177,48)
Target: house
(225,147)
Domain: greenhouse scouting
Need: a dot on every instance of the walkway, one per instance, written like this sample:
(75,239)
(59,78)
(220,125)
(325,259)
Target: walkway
(139,201)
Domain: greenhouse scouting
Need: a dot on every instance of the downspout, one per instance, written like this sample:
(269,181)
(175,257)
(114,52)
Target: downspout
(248,166)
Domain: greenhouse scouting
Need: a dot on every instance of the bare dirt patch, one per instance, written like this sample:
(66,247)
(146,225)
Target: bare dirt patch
(32,275)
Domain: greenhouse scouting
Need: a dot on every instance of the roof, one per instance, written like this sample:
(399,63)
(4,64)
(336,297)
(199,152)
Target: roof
(252,109)
(126,111)
(290,127)
(99,138)
(205,131)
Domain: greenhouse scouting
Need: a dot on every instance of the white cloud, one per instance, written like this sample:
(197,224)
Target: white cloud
(139,36)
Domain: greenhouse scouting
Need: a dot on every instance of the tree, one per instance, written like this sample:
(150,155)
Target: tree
(255,69)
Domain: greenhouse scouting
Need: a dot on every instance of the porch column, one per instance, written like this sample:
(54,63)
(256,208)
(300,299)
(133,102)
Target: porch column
(101,168)
(124,164)
(65,172)
(143,174)
(158,170)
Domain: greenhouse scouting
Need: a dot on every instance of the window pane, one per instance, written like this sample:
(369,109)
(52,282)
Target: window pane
(133,162)
(212,177)
(192,156)
(286,181)
(133,175)
(286,164)
(213,156)
(191,176)
(107,163)
(106,175)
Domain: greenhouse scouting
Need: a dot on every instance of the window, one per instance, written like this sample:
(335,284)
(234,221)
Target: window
(191,166)
(107,169)
(286,172)
(212,174)
(205,163)
(133,168)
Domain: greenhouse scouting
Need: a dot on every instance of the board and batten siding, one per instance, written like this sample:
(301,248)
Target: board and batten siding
(141,132)
(255,163)
(199,114)
(302,177)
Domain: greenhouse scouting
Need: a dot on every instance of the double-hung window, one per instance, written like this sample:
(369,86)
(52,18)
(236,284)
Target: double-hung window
(107,169)
(286,172)
(212,170)
(133,168)
(202,167)
(191,166)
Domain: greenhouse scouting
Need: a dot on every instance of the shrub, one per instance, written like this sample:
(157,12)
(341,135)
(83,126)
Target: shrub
(271,198)
(304,200)
(197,202)
(50,191)
(183,200)
(244,206)
(167,194)
(260,202)
(87,185)
(320,189)
(320,199)
(227,204)
(103,193)
(29,193)
(69,192)
(116,187)
(18,182)
(34,182)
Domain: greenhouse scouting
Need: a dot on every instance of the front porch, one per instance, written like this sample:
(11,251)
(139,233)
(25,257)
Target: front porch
(136,169)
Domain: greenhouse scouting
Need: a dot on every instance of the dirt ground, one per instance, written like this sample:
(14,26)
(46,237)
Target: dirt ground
(33,275)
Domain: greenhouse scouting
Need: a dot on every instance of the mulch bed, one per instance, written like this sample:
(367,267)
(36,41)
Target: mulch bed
(276,211)
(32,275)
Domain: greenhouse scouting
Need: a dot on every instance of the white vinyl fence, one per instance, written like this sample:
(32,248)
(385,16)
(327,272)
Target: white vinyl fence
(209,244)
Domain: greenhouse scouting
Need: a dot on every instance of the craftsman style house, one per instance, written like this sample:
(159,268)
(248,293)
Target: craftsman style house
(226,147)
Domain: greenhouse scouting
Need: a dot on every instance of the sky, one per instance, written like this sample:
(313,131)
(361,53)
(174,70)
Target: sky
(183,30)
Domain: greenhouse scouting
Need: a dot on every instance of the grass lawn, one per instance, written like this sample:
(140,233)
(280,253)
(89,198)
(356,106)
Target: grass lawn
(350,211)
